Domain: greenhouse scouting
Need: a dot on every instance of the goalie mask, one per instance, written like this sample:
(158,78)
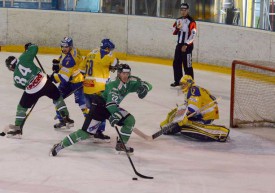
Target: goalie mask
(186,82)
(11,62)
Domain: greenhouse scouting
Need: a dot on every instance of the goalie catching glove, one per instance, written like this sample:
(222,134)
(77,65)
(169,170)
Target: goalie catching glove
(115,118)
(142,90)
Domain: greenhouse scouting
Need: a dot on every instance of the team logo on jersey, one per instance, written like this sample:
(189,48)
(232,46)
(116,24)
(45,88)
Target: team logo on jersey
(35,81)
(89,83)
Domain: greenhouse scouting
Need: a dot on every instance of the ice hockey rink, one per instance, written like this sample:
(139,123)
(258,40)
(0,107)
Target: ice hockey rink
(244,164)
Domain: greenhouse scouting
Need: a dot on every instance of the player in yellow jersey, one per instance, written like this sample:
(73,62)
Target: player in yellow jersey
(198,97)
(67,73)
(194,118)
(98,64)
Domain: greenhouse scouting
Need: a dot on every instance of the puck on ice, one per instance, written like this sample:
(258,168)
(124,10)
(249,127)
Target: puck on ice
(134,179)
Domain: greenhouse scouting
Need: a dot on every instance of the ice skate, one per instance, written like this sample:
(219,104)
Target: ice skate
(66,123)
(55,149)
(14,132)
(99,137)
(120,148)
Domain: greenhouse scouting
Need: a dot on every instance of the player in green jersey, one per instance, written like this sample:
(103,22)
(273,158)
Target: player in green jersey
(107,106)
(28,77)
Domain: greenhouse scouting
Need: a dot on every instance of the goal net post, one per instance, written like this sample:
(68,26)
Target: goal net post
(252,102)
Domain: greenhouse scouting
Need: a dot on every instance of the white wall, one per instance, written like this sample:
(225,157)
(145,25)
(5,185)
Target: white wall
(136,35)
(3,26)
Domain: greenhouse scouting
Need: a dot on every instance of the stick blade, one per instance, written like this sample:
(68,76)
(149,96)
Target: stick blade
(142,135)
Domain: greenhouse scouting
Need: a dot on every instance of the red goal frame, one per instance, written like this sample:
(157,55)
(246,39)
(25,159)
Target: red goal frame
(232,94)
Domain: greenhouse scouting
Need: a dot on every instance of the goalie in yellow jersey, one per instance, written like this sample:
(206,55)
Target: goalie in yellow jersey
(193,119)
(98,64)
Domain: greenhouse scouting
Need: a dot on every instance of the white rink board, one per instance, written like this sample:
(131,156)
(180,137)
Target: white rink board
(215,44)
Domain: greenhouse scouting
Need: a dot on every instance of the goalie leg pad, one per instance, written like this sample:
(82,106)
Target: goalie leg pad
(205,132)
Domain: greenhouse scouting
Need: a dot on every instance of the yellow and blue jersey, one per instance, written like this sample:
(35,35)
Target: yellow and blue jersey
(97,71)
(70,67)
(197,98)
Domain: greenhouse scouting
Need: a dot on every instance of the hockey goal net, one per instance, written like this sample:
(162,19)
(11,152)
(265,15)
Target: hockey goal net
(252,94)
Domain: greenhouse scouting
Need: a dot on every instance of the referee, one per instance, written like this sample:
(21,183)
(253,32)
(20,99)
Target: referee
(185,29)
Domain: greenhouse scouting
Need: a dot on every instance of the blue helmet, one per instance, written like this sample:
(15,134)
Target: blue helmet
(67,42)
(107,43)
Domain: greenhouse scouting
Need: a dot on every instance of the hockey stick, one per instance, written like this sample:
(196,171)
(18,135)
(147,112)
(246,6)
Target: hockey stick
(40,65)
(170,125)
(138,174)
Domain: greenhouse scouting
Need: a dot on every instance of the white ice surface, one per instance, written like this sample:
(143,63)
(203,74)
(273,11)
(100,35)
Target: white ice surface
(244,164)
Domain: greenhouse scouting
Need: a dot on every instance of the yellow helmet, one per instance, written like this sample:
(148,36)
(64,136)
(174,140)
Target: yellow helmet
(186,82)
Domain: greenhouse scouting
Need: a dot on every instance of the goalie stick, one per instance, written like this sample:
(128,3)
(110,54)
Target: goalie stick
(170,125)
(132,164)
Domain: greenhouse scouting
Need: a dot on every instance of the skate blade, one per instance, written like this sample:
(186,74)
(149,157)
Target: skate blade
(18,136)
(96,140)
(69,125)
(123,153)
(60,128)
(176,87)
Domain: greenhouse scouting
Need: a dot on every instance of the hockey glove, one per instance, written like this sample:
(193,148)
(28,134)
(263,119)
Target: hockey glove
(115,118)
(113,68)
(171,129)
(51,78)
(55,66)
(142,91)
(27,45)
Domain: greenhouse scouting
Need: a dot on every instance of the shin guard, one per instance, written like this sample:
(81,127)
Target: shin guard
(127,128)
(61,107)
(75,137)
(20,115)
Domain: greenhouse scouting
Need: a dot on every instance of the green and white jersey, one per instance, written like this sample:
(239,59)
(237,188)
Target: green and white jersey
(27,75)
(116,91)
